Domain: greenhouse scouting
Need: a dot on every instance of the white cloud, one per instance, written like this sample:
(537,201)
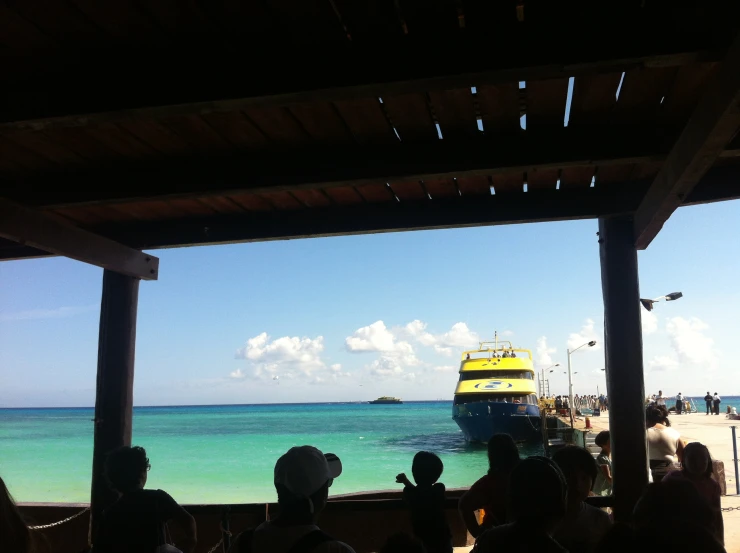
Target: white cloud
(385,366)
(689,341)
(649,322)
(544,352)
(661,363)
(444,368)
(417,330)
(376,337)
(57,313)
(447,352)
(288,356)
(459,336)
(586,334)
(336,367)
(238,374)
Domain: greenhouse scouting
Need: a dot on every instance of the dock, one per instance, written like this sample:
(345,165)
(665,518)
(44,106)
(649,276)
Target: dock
(714,432)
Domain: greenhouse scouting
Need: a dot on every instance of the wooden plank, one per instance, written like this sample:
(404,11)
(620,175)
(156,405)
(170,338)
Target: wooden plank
(182,18)
(624,362)
(222,204)
(278,125)
(499,106)
(641,94)
(370,21)
(156,136)
(39,230)
(197,132)
(433,18)
(682,96)
(483,16)
(546,103)
(59,20)
(594,98)
(186,81)
(313,198)
(711,127)
(366,121)
(345,195)
(474,186)
(123,19)
(441,188)
(542,179)
(321,168)
(307,21)
(114,394)
(252,202)
(19,154)
(508,182)
(376,192)
(149,210)
(322,123)
(121,141)
(455,113)
(18,33)
(410,116)
(43,146)
(237,130)
(282,200)
(409,190)
(190,208)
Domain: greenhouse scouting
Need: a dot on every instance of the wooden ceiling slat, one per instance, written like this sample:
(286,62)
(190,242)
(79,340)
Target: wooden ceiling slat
(83,216)
(576,177)
(594,99)
(370,21)
(409,190)
(121,141)
(252,202)
(282,200)
(307,21)
(156,136)
(499,106)
(18,33)
(484,16)
(222,204)
(321,121)
(150,210)
(470,186)
(19,154)
(435,18)
(441,188)
(455,113)
(177,17)
(542,179)
(312,198)
(607,174)
(60,20)
(508,182)
(194,207)
(122,19)
(278,125)
(236,129)
(344,195)
(410,116)
(196,132)
(366,121)
(47,148)
(685,91)
(546,103)
(641,94)
(79,141)
(375,192)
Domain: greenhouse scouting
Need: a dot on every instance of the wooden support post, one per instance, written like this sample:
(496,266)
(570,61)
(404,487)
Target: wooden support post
(624,365)
(114,394)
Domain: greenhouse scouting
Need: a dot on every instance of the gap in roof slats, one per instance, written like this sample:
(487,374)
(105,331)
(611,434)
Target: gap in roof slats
(411,117)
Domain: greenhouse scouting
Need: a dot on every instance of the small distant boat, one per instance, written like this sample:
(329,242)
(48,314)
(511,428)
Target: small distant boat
(385,400)
(496,393)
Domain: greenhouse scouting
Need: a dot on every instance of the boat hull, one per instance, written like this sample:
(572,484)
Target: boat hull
(481,420)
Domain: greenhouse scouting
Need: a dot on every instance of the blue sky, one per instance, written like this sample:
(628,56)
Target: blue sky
(352,318)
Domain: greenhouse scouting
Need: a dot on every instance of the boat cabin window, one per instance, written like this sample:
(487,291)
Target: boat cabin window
(494,355)
(524,399)
(478,375)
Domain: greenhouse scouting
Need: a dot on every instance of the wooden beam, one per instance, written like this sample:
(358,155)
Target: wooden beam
(189,79)
(624,364)
(114,397)
(711,127)
(321,168)
(42,231)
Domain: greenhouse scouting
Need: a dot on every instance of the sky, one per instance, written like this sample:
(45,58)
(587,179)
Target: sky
(353,318)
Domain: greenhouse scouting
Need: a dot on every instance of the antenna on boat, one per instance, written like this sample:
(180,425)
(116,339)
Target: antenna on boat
(495,338)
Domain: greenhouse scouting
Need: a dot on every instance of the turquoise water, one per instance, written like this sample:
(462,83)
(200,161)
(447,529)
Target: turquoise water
(225,454)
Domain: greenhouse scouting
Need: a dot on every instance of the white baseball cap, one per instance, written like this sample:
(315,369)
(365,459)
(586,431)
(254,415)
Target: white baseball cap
(302,470)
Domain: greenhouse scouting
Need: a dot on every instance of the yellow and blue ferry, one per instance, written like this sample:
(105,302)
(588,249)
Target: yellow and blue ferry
(496,393)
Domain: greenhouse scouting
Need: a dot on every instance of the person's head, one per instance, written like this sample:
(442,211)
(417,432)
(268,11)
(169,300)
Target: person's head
(14,531)
(402,543)
(656,414)
(303,476)
(716,394)
(541,478)
(696,460)
(126,468)
(709,394)
(660,392)
(603,440)
(426,468)
(657,506)
(503,455)
(580,471)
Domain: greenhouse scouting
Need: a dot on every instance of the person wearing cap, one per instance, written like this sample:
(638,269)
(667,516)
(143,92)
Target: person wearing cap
(303,476)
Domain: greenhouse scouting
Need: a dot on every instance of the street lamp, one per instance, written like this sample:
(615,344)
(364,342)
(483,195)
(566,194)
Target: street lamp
(542,388)
(648,304)
(590,344)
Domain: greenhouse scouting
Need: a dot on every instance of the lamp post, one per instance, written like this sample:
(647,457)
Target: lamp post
(648,304)
(542,389)
(590,344)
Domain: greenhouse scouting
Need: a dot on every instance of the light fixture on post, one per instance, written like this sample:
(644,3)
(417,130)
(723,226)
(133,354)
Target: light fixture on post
(648,304)
(590,344)
(542,386)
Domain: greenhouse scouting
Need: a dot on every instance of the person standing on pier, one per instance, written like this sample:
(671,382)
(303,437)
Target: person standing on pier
(660,400)
(708,401)
(679,403)
(716,400)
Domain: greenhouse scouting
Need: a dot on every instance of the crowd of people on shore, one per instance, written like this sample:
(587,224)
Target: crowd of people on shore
(537,504)
(682,404)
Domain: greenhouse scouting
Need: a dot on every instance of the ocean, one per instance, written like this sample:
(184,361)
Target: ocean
(226,454)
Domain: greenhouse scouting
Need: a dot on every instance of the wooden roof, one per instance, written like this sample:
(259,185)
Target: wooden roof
(176,123)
